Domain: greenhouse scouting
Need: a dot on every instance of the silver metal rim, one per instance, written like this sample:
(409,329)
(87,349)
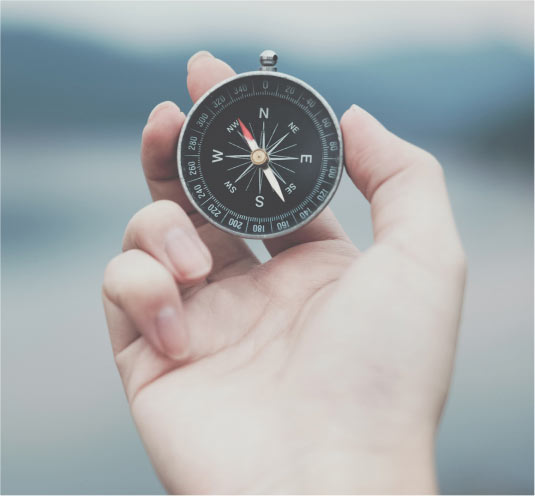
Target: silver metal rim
(337,179)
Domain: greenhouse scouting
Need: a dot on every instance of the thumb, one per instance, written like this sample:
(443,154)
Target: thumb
(405,187)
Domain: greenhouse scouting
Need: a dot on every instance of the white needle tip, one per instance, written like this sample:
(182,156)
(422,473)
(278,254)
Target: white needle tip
(273,182)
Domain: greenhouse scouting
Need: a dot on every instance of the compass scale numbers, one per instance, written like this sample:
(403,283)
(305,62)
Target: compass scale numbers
(260,155)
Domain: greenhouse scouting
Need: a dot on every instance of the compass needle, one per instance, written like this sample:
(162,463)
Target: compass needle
(277,173)
(252,131)
(248,137)
(260,154)
(270,176)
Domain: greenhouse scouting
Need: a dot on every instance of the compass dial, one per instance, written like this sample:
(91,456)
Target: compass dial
(260,154)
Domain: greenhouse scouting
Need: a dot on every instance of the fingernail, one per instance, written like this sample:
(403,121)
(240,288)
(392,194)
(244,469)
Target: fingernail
(171,333)
(188,253)
(197,56)
(355,108)
(161,106)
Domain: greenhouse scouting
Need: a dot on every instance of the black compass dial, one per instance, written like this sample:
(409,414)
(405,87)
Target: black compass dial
(260,155)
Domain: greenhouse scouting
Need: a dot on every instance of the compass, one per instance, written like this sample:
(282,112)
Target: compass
(260,154)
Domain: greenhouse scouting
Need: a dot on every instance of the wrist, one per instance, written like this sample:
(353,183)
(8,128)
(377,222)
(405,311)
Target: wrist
(406,469)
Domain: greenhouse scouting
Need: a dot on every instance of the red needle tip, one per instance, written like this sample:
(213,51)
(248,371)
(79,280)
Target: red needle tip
(245,131)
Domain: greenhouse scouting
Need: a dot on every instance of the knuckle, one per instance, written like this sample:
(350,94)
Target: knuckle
(142,225)
(429,158)
(111,276)
(150,300)
(425,159)
(167,206)
(150,139)
(133,277)
(132,232)
(150,135)
(151,213)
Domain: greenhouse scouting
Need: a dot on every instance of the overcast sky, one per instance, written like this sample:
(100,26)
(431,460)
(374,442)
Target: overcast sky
(360,27)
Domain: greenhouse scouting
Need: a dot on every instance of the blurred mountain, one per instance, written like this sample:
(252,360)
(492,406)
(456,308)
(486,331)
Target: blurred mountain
(478,97)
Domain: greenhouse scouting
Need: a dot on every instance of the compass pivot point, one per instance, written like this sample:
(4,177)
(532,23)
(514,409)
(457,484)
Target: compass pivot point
(268,60)
(259,157)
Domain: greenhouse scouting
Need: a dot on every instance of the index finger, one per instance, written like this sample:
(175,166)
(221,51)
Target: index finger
(161,133)
(158,154)
(159,157)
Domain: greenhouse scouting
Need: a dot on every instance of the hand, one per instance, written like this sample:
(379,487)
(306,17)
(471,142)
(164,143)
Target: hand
(325,369)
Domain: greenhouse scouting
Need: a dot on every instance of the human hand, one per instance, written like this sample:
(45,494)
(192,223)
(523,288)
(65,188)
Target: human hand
(323,370)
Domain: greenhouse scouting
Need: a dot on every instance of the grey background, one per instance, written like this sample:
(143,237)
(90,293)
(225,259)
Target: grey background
(78,81)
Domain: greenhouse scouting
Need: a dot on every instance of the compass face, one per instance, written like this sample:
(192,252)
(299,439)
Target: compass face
(260,154)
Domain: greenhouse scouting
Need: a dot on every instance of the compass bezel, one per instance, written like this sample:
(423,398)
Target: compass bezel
(320,207)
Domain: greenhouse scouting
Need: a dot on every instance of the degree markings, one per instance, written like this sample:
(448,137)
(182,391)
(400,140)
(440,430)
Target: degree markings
(323,167)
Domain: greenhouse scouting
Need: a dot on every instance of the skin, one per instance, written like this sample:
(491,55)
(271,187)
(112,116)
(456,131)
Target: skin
(323,370)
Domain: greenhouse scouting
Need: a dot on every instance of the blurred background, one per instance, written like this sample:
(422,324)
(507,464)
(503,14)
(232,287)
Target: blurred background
(78,81)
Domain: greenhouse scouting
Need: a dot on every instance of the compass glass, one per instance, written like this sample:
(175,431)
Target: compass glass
(260,155)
